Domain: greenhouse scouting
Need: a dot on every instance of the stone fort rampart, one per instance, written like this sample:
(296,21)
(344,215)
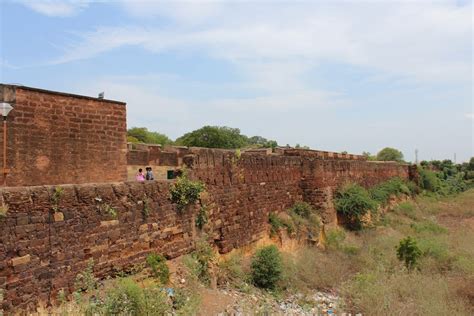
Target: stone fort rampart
(46,242)
(47,238)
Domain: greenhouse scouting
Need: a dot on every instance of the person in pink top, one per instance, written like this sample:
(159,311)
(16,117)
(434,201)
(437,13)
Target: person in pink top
(140,176)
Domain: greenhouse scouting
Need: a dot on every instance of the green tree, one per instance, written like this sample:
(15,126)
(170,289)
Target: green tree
(143,135)
(261,142)
(390,154)
(368,155)
(471,164)
(267,267)
(214,137)
(409,252)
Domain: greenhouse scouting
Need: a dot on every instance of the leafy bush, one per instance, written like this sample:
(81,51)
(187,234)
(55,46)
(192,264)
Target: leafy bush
(409,252)
(266,267)
(445,182)
(335,237)
(231,270)
(382,192)
(353,202)
(202,217)
(454,184)
(277,223)
(156,301)
(302,209)
(159,267)
(85,280)
(413,187)
(429,180)
(125,299)
(200,260)
(129,298)
(184,191)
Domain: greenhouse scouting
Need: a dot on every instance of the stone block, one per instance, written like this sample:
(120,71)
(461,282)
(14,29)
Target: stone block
(20,260)
(58,216)
(110,223)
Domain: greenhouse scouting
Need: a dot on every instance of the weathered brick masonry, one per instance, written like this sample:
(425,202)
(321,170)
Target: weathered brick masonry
(42,251)
(58,138)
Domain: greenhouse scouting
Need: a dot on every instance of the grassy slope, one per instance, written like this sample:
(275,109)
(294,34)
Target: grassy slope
(363,267)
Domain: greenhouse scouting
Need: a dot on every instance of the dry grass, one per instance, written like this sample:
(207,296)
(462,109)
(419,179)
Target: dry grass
(363,266)
(444,282)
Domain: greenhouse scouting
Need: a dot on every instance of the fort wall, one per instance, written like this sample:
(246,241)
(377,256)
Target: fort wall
(46,242)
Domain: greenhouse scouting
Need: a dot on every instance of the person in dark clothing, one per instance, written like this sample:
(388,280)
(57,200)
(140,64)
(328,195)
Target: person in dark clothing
(149,174)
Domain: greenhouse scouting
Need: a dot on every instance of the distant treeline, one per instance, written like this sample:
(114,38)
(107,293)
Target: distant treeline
(207,136)
(231,138)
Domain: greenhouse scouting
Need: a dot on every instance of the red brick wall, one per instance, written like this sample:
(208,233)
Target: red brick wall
(43,251)
(56,138)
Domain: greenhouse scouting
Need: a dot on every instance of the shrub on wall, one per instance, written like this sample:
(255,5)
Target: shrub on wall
(393,187)
(302,209)
(184,191)
(266,267)
(353,202)
(202,217)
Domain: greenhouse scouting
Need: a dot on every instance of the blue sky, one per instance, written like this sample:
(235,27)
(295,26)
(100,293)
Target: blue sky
(351,75)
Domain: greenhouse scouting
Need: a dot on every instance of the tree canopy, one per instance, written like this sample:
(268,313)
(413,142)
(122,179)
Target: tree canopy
(390,154)
(223,137)
(213,137)
(143,135)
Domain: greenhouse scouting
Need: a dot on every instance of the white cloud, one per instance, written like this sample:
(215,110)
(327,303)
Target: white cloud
(419,41)
(58,8)
(470,116)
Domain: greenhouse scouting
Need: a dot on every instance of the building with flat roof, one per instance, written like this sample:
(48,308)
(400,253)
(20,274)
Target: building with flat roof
(60,138)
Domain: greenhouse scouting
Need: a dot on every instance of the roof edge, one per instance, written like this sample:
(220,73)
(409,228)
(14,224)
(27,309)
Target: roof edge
(15,86)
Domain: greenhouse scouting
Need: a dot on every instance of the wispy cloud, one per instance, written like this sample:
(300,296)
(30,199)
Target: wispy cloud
(56,8)
(422,41)
(470,116)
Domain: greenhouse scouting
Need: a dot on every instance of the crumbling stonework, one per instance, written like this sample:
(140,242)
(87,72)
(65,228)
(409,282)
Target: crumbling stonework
(48,234)
(46,241)
(59,138)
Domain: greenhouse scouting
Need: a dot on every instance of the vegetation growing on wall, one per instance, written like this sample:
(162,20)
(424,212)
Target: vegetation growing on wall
(58,193)
(202,217)
(3,210)
(354,202)
(105,208)
(185,192)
